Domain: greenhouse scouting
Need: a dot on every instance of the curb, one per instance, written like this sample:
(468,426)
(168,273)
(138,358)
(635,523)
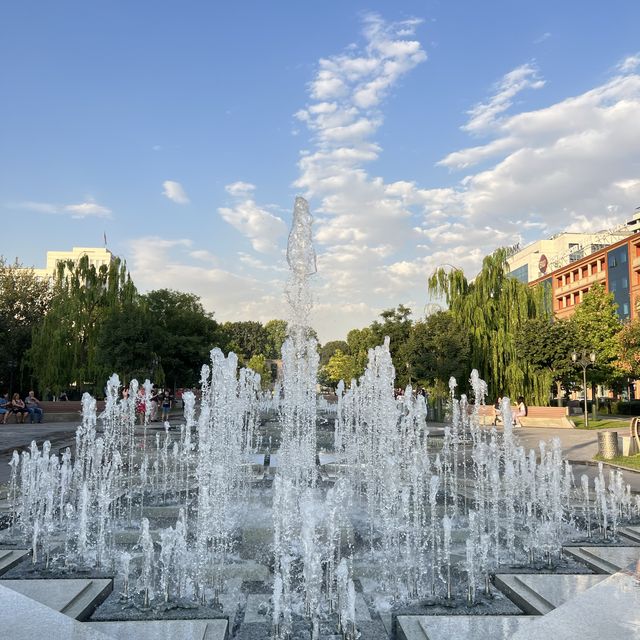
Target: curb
(595,463)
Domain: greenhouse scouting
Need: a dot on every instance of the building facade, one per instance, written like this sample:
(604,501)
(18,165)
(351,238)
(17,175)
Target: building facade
(98,256)
(616,267)
(544,256)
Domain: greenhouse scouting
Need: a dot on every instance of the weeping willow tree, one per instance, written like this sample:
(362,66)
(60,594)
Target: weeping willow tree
(492,309)
(64,345)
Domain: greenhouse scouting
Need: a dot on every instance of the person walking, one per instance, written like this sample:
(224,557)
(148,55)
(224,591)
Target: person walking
(33,407)
(167,402)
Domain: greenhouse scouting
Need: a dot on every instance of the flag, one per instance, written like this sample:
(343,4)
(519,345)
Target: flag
(104,233)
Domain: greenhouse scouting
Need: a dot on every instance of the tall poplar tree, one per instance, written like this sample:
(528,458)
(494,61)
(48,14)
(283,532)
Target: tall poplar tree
(492,309)
(64,346)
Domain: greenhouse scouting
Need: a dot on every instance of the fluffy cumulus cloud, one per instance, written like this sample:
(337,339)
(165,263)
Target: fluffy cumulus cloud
(175,264)
(572,161)
(573,164)
(262,228)
(175,192)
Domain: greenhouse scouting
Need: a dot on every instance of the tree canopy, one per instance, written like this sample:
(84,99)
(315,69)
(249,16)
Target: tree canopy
(437,349)
(182,335)
(25,302)
(491,310)
(64,346)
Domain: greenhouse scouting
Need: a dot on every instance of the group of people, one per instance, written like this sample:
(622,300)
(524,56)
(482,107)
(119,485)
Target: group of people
(158,400)
(520,412)
(21,408)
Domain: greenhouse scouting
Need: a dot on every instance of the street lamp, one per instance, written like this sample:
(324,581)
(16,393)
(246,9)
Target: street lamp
(584,361)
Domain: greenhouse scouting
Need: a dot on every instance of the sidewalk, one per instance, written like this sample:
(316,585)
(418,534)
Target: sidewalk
(579,447)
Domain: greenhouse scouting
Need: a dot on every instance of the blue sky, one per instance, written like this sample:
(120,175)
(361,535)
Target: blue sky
(422,133)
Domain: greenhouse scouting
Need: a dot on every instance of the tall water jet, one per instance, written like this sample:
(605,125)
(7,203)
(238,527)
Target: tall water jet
(296,471)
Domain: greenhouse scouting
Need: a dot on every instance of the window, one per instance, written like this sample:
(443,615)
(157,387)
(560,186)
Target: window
(521,273)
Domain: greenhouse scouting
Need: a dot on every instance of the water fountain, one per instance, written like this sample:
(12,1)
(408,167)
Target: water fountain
(398,515)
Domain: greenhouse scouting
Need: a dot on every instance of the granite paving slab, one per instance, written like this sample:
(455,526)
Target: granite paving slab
(22,618)
(608,611)
(164,629)
(75,598)
(9,558)
(630,533)
(605,559)
(538,594)
(459,627)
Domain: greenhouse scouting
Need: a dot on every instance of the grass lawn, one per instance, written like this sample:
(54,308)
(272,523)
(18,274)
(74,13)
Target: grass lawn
(633,462)
(601,423)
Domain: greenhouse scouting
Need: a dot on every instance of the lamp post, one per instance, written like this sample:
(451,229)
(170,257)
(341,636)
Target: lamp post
(584,361)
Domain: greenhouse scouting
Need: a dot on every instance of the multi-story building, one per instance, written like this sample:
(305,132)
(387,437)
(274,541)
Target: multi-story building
(98,256)
(544,256)
(616,267)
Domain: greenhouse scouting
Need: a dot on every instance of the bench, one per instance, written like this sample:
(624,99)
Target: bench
(546,417)
(487,414)
(65,411)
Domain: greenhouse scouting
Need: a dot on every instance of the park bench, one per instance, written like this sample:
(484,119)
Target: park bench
(546,417)
(487,414)
(65,411)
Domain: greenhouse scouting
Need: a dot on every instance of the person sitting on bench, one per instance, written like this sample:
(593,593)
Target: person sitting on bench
(520,413)
(33,407)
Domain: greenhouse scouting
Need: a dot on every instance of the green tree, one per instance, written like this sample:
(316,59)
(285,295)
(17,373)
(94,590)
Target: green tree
(546,345)
(125,344)
(595,326)
(329,348)
(63,350)
(395,324)
(246,338)
(492,309)
(341,367)
(628,339)
(437,349)
(183,334)
(258,363)
(276,333)
(360,341)
(25,302)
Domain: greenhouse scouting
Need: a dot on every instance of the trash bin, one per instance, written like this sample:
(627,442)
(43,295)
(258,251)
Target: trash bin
(608,444)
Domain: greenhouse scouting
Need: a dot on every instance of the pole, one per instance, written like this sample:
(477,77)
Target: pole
(586,413)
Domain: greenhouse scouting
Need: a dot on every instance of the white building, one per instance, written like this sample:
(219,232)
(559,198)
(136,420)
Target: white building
(543,256)
(98,256)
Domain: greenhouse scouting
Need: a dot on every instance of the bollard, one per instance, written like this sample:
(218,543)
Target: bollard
(608,444)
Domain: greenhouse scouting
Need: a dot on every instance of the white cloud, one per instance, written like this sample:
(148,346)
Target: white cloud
(240,188)
(629,64)
(175,192)
(574,163)
(87,209)
(575,158)
(545,36)
(259,226)
(159,263)
(485,115)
